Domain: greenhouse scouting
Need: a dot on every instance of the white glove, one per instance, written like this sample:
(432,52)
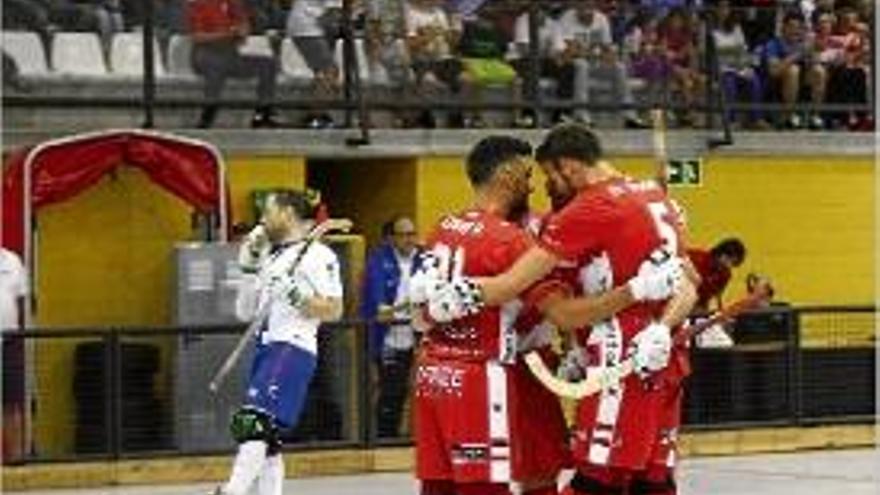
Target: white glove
(253,250)
(427,280)
(658,278)
(455,299)
(651,348)
(297,293)
(714,337)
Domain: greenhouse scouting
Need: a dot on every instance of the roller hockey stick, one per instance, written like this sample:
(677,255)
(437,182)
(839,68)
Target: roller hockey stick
(599,378)
(316,233)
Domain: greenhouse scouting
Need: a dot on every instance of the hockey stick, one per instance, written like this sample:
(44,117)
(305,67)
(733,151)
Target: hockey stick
(661,157)
(601,377)
(316,233)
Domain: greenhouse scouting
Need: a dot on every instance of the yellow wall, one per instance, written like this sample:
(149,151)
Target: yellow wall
(105,259)
(367,191)
(807,222)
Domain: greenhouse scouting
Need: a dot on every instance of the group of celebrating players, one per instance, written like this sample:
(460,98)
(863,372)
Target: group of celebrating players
(606,269)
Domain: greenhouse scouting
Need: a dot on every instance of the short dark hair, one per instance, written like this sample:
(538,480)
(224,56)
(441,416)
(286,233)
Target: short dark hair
(792,15)
(304,203)
(490,153)
(573,141)
(732,247)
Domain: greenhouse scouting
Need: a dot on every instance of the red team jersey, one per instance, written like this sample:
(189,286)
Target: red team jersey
(480,415)
(714,276)
(609,230)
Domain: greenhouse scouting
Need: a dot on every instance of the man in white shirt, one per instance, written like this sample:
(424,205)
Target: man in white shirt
(293,284)
(551,45)
(308,25)
(13,290)
(588,42)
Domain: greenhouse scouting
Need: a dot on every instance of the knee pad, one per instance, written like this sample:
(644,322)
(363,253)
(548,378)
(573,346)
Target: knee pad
(248,425)
(589,485)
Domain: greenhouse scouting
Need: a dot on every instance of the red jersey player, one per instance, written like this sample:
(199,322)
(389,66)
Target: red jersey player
(622,222)
(714,267)
(471,394)
(471,384)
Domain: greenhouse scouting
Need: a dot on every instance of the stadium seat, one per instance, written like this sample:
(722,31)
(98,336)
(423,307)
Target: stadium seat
(26,49)
(361,55)
(78,54)
(293,65)
(179,56)
(256,45)
(127,55)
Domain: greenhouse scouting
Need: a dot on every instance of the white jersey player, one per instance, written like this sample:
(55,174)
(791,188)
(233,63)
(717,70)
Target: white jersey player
(292,284)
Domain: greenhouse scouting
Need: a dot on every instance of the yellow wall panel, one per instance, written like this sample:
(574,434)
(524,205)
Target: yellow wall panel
(808,223)
(247,173)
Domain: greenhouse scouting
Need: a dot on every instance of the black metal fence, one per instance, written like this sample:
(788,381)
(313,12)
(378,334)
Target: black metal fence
(128,392)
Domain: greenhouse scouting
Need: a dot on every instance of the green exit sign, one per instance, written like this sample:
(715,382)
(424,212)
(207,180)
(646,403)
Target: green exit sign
(685,172)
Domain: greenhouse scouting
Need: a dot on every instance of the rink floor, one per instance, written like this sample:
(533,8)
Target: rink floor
(845,472)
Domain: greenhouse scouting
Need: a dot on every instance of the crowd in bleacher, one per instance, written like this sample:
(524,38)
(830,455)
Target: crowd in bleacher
(637,53)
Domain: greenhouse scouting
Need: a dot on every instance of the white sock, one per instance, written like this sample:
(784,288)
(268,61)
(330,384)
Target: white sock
(248,464)
(271,480)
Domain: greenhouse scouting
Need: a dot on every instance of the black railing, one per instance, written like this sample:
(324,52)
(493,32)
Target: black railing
(131,392)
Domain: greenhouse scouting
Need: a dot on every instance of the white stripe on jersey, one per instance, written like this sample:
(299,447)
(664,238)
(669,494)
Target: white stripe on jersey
(499,428)
(610,339)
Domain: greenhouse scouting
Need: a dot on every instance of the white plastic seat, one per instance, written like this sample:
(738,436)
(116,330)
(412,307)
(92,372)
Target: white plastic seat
(127,55)
(360,53)
(256,45)
(180,56)
(293,65)
(27,50)
(78,54)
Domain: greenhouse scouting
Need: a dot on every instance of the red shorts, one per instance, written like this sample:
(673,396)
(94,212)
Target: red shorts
(617,428)
(665,450)
(485,422)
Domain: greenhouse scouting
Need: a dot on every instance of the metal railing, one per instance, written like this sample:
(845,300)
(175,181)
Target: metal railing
(115,393)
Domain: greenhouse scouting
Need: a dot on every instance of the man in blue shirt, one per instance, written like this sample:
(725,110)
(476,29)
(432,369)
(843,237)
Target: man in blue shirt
(788,62)
(384,300)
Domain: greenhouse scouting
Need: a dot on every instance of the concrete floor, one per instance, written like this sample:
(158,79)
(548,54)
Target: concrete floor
(846,472)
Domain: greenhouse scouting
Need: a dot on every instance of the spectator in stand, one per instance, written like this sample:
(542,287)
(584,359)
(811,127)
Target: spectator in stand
(844,52)
(432,36)
(217,28)
(553,64)
(735,62)
(789,64)
(483,48)
(314,26)
(645,56)
(588,42)
(387,57)
(48,16)
(678,36)
(759,20)
(386,54)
